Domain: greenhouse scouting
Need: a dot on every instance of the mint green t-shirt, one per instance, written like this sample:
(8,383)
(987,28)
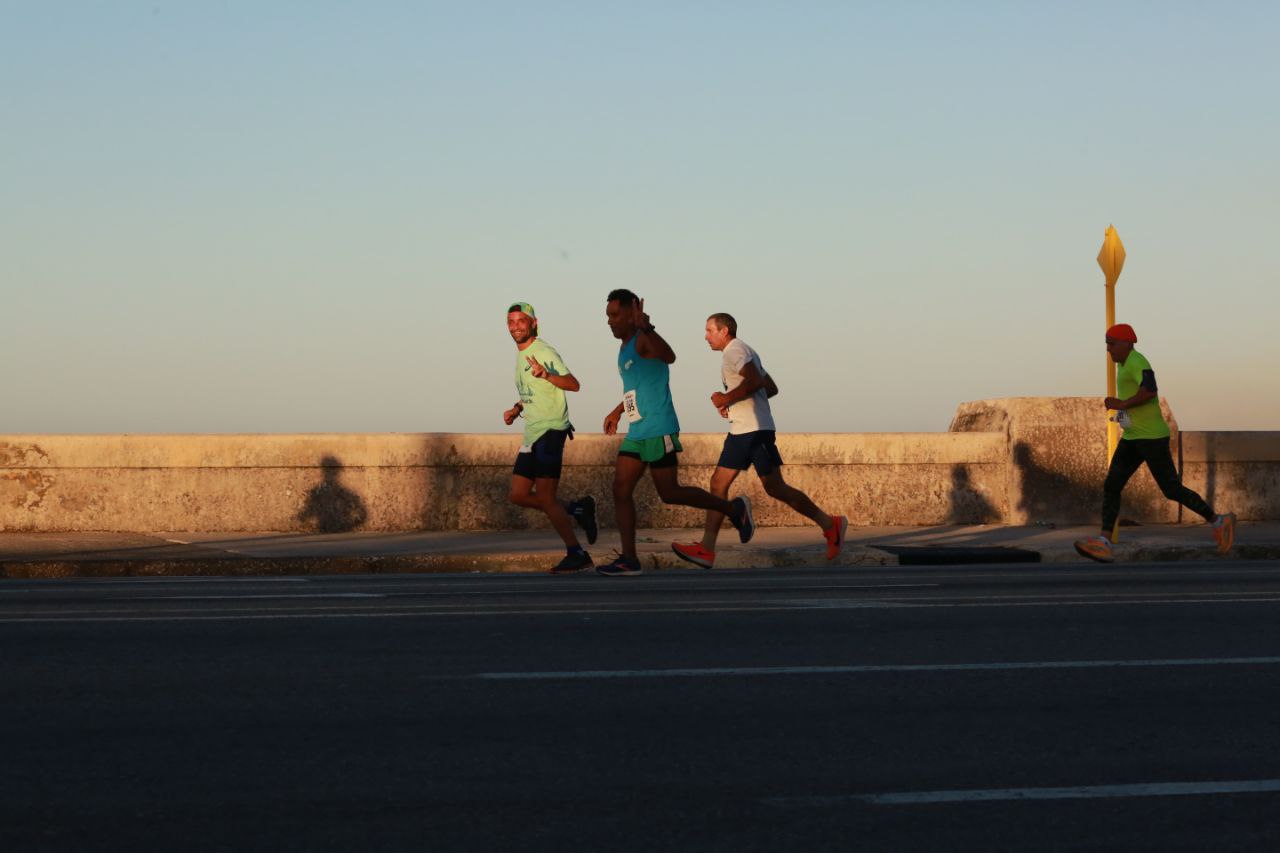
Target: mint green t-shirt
(1147,420)
(544,404)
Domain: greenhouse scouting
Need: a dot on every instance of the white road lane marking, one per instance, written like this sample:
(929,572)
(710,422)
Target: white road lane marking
(1079,792)
(858,669)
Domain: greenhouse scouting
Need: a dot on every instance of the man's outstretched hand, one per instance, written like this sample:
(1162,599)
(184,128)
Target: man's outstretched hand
(638,315)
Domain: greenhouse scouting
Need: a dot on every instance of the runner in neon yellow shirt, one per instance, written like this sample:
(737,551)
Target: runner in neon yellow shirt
(542,380)
(1146,439)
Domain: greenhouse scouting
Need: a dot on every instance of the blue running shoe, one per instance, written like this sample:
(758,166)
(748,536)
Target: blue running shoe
(621,566)
(572,564)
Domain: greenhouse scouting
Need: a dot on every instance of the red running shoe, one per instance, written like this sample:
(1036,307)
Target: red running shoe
(694,553)
(1224,532)
(835,535)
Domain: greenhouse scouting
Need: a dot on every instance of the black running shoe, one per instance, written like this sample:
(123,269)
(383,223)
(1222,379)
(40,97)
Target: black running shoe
(572,563)
(584,510)
(621,566)
(744,522)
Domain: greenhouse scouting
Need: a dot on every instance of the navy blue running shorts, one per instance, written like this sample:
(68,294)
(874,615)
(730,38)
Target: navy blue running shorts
(545,457)
(757,448)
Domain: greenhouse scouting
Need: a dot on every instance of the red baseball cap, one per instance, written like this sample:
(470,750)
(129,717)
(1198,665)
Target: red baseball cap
(1122,332)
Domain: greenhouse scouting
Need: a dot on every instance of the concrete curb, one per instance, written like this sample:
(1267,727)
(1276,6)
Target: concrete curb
(494,562)
(652,558)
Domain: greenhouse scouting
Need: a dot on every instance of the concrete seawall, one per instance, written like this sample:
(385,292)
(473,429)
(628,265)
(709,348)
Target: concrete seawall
(1005,461)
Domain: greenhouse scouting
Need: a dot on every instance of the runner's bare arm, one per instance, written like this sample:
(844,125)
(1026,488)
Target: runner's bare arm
(770,387)
(649,344)
(568,382)
(510,415)
(565,383)
(752,382)
(611,420)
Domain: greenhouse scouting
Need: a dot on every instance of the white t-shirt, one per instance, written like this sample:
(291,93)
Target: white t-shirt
(753,413)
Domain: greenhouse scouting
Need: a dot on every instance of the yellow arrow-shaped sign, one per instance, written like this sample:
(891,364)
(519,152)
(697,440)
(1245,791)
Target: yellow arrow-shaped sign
(1111,259)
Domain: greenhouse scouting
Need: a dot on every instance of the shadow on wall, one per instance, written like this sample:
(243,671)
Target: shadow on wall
(1050,496)
(459,495)
(331,507)
(968,504)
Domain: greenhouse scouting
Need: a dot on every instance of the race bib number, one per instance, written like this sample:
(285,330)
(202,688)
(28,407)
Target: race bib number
(629,407)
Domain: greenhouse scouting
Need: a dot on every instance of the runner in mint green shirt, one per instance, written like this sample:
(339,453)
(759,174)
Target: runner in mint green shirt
(542,378)
(542,402)
(1145,440)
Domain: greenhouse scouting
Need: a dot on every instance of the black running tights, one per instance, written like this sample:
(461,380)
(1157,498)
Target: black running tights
(1128,458)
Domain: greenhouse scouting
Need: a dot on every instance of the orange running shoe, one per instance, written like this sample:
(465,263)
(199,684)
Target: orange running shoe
(1224,532)
(695,553)
(1095,548)
(835,535)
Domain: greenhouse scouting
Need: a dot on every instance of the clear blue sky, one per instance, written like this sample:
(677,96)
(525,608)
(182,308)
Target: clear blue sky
(311,216)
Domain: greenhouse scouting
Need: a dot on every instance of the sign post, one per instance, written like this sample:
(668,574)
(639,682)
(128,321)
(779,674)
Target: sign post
(1111,259)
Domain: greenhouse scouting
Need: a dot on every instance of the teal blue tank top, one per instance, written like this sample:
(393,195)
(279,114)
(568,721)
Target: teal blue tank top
(647,410)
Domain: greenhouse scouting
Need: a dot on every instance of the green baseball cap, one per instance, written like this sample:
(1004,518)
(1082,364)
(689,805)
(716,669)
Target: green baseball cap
(523,308)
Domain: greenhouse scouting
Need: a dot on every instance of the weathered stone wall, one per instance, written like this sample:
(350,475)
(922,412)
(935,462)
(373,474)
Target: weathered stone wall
(1234,471)
(456,482)
(1057,463)
(1058,458)
(1018,461)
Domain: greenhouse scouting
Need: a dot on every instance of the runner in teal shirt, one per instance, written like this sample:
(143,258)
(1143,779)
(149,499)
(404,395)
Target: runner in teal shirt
(653,431)
(646,395)
(542,378)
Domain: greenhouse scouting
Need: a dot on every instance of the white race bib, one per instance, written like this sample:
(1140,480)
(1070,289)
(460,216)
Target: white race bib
(629,407)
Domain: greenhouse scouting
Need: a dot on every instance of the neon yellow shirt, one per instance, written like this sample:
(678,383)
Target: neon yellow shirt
(1148,422)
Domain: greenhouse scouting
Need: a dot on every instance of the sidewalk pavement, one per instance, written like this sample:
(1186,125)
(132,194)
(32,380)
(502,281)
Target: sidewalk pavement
(54,555)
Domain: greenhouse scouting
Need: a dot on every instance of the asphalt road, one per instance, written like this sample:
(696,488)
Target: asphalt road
(974,708)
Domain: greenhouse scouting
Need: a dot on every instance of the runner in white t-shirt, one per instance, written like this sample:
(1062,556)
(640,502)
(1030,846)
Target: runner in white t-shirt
(751,441)
(752,413)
